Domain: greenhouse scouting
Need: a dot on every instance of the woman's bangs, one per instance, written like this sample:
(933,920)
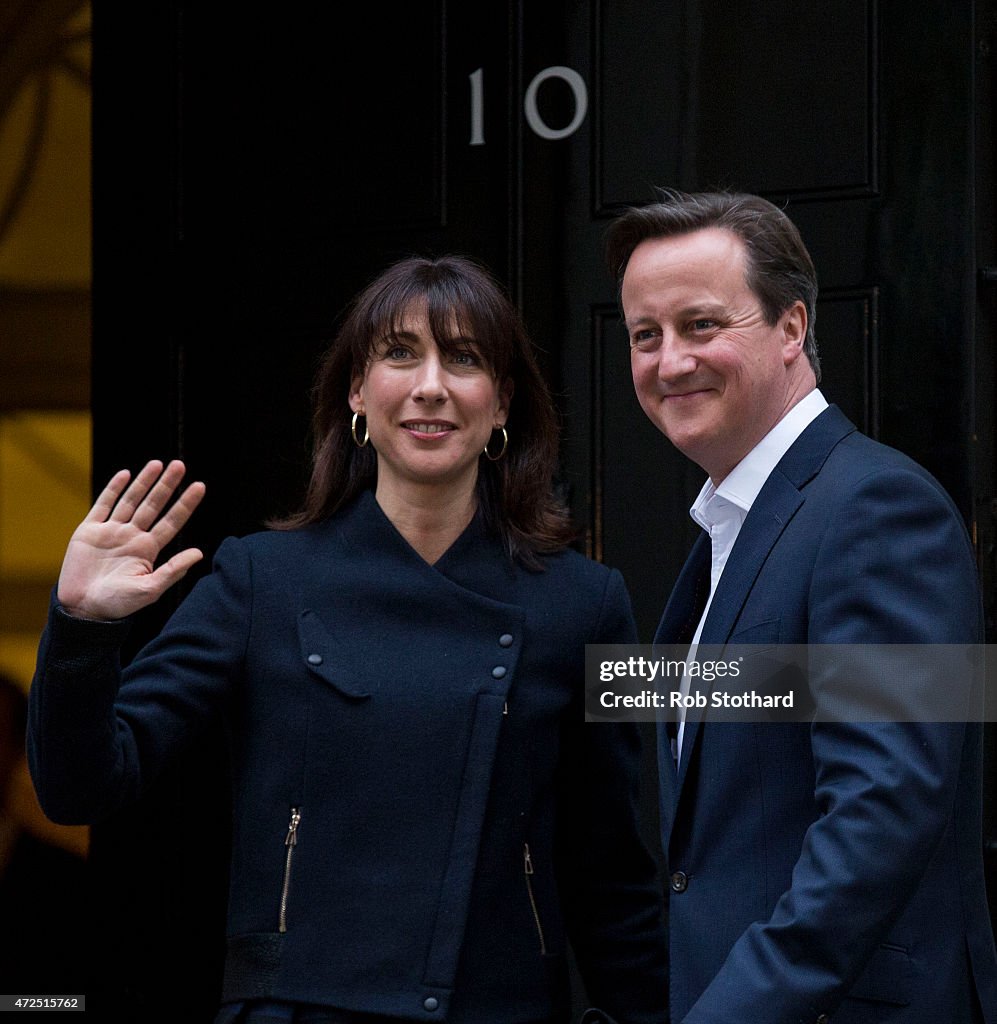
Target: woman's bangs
(382,320)
(457,316)
(459,310)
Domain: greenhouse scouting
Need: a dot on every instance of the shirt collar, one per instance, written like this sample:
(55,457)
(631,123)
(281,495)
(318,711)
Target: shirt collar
(742,484)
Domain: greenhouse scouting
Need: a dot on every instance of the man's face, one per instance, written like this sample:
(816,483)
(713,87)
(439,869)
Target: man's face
(709,372)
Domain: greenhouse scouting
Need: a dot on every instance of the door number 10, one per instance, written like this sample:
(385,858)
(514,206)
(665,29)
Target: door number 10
(574,81)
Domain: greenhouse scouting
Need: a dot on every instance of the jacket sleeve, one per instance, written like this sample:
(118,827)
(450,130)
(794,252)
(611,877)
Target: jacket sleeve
(610,890)
(895,567)
(98,736)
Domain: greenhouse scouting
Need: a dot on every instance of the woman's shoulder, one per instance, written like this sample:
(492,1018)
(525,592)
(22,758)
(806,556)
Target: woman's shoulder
(581,597)
(568,568)
(570,560)
(278,544)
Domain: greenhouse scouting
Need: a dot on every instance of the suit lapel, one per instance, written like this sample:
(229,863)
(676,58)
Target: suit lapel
(688,597)
(678,625)
(777,502)
(774,507)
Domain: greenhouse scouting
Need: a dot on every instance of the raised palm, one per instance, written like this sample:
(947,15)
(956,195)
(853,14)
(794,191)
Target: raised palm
(110,570)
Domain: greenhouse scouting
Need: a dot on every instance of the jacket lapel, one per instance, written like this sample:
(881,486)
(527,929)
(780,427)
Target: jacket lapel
(774,507)
(777,502)
(678,625)
(688,596)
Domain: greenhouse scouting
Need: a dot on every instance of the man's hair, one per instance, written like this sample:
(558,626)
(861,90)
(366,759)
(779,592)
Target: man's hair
(778,270)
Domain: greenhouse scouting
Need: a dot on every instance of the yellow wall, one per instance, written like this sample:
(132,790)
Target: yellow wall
(45,243)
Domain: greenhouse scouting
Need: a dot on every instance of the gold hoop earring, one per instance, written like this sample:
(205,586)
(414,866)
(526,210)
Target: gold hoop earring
(505,444)
(353,430)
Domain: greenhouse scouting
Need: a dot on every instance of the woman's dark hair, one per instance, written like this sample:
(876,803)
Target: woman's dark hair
(462,300)
(778,269)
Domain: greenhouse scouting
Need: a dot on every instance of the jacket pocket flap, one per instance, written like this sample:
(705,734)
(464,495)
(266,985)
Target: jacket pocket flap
(324,657)
(886,978)
(766,632)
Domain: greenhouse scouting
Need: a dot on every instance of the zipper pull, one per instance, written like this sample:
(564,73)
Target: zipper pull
(528,869)
(290,842)
(292,829)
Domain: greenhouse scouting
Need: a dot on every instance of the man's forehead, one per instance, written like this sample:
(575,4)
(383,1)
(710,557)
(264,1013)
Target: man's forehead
(699,268)
(713,247)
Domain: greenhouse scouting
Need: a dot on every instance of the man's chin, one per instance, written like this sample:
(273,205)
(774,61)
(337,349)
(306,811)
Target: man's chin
(694,446)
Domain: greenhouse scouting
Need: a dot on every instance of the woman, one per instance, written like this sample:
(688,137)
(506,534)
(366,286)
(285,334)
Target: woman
(421,817)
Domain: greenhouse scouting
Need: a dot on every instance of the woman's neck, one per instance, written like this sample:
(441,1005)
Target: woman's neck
(430,517)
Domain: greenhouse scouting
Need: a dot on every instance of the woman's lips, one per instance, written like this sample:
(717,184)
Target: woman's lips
(429,429)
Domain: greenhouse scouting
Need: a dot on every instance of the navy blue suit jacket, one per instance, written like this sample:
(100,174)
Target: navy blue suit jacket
(831,870)
(456,820)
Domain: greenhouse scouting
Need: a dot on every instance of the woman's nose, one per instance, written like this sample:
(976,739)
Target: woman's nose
(430,382)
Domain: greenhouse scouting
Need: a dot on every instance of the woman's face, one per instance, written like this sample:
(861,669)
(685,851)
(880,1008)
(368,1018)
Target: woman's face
(429,415)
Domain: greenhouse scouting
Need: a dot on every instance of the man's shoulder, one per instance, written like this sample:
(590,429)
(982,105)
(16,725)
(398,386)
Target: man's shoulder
(862,478)
(859,458)
(843,455)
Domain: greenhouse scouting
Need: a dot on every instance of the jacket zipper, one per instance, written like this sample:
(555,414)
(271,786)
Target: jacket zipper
(290,842)
(528,871)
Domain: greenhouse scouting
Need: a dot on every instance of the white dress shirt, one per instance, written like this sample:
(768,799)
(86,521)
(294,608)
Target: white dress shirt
(721,511)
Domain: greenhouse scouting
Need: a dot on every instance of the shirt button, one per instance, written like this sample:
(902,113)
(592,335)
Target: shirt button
(498,672)
(314,659)
(432,1003)
(680,881)
(505,640)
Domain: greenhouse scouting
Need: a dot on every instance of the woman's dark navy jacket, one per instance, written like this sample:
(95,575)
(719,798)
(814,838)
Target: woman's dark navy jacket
(420,812)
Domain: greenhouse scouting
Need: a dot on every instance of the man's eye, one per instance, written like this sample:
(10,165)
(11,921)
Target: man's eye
(703,325)
(645,338)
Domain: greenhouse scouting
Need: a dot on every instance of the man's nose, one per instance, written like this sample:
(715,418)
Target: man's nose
(430,382)
(675,360)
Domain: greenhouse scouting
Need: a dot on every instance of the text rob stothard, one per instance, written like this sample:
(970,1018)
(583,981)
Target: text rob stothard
(722,699)
(677,699)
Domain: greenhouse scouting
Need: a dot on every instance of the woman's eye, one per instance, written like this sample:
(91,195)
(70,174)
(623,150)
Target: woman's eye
(465,357)
(396,352)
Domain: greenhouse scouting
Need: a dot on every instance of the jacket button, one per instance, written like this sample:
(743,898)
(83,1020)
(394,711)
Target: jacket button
(505,640)
(314,659)
(680,881)
(498,672)
(431,1003)
(823,1019)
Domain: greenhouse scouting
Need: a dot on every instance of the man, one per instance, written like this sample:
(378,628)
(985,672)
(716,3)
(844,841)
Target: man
(827,871)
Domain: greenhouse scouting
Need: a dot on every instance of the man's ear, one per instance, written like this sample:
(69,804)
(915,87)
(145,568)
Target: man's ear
(794,332)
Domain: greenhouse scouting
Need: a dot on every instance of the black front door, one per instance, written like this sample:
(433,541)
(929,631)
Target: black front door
(252,174)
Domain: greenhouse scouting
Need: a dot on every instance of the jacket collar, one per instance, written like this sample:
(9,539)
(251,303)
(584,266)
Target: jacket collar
(475,562)
(778,501)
